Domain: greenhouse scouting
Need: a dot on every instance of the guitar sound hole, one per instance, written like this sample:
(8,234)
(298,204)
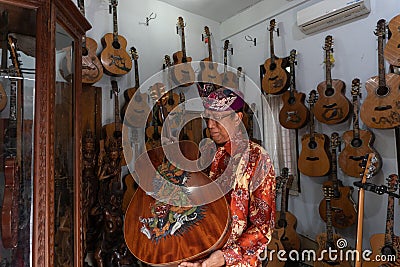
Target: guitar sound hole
(171,101)
(356,142)
(382,91)
(282,223)
(117,134)
(312,144)
(156,136)
(272,66)
(116,45)
(85,52)
(329,91)
(291,100)
(388,250)
(138,98)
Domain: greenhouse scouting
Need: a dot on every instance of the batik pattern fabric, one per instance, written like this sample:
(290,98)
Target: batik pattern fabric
(251,199)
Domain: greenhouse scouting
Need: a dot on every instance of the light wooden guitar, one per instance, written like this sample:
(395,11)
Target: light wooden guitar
(358,142)
(314,157)
(209,69)
(387,244)
(293,114)
(332,106)
(343,208)
(285,219)
(276,78)
(92,70)
(391,51)
(114,58)
(381,108)
(183,73)
(328,240)
(229,79)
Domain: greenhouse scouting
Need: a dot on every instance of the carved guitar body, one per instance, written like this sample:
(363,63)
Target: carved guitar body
(3,98)
(322,246)
(228,78)
(313,158)
(391,51)
(92,69)
(209,69)
(276,245)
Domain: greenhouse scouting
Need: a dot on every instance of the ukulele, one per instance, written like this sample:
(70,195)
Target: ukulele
(183,73)
(92,70)
(391,51)
(114,58)
(172,229)
(228,78)
(381,108)
(343,206)
(358,142)
(9,210)
(136,106)
(328,241)
(209,69)
(368,165)
(294,114)
(276,78)
(185,134)
(314,158)
(332,106)
(388,243)
(285,219)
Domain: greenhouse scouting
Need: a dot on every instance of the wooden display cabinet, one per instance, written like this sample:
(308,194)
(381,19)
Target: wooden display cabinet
(48,148)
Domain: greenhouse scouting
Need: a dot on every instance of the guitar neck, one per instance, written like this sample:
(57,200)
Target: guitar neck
(329,228)
(184,58)
(312,126)
(328,68)
(356,126)
(389,233)
(115,23)
(333,176)
(225,60)
(135,61)
(283,203)
(209,48)
(292,79)
(381,62)
(271,45)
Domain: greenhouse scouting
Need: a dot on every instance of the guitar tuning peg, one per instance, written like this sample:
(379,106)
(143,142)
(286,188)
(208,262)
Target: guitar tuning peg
(277,31)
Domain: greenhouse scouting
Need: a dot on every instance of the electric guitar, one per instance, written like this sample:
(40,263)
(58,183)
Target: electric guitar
(358,142)
(276,78)
(391,51)
(294,114)
(314,157)
(183,73)
(209,69)
(229,79)
(387,244)
(114,58)
(332,106)
(381,108)
(136,103)
(92,70)
(343,208)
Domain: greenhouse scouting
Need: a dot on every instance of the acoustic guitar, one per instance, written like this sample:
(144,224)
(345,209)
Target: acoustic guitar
(293,114)
(114,58)
(391,52)
(183,73)
(332,106)
(173,230)
(172,99)
(314,157)
(386,244)
(229,79)
(358,142)
(328,240)
(343,208)
(136,103)
(381,108)
(209,69)
(3,98)
(274,245)
(92,70)
(285,219)
(276,77)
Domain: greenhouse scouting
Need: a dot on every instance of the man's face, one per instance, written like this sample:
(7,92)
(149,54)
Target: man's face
(222,125)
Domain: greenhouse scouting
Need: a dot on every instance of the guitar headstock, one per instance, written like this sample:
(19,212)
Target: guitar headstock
(355,87)
(313,97)
(207,31)
(226,45)
(14,56)
(335,140)
(239,72)
(328,43)
(380,28)
(181,24)
(114,3)
(392,182)
(284,180)
(328,192)
(167,61)
(368,164)
(272,25)
(134,53)
(114,87)
(182,98)
(292,56)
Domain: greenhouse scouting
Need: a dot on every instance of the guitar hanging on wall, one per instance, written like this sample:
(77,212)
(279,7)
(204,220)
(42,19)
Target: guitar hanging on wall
(332,106)
(228,78)
(114,58)
(391,51)
(209,69)
(381,107)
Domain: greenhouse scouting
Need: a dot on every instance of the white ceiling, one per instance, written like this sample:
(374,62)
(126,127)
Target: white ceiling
(217,10)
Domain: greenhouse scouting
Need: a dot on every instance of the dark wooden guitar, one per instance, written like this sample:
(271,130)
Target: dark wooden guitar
(276,78)
(209,69)
(314,156)
(172,98)
(3,98)
(391,52)
(381,107)
(114,58)
(136,103)
(332,106)
(388,243)
(174,232)
(285,219)
(294,114)
(183,73)
(329,239)
(344,212)
(229,79)
(92,70)
(358,142)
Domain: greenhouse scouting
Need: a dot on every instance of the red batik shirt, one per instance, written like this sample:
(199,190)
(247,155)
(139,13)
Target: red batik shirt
(251,199)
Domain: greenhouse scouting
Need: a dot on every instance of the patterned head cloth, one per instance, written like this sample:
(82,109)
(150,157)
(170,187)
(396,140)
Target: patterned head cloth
(224,99)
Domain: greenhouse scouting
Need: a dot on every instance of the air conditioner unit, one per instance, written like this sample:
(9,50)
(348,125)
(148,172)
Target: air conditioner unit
(330,12)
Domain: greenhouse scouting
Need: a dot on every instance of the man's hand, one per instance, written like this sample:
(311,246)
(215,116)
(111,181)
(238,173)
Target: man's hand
(216,259)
